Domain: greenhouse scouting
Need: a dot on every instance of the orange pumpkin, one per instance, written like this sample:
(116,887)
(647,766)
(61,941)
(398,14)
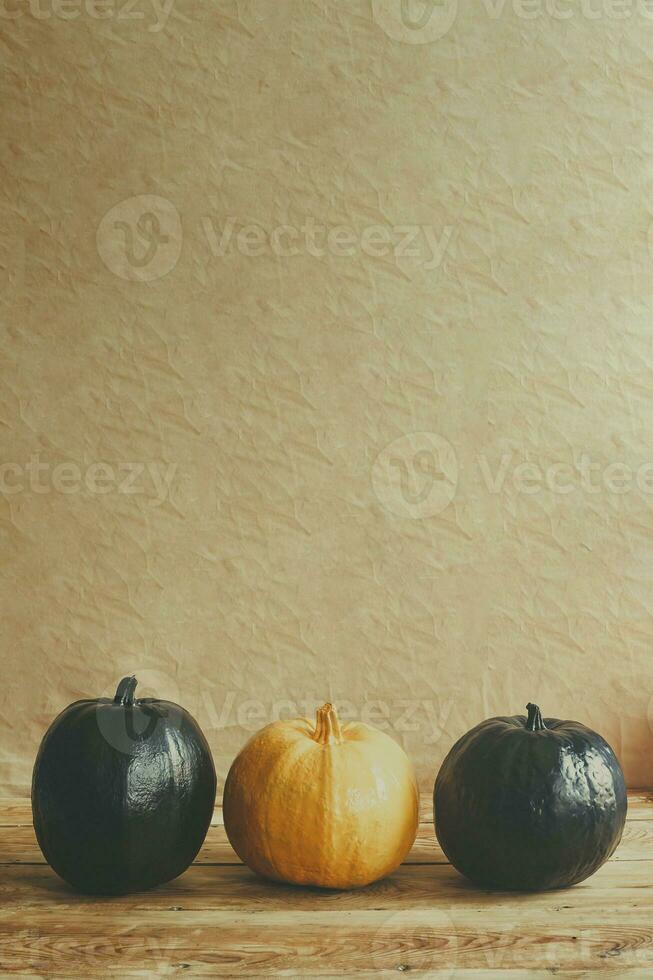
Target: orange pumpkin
(321,804)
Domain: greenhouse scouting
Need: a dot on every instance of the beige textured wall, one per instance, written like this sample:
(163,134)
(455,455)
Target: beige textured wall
(289,537)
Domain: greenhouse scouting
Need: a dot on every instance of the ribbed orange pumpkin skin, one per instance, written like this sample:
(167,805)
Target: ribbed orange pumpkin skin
(319,805)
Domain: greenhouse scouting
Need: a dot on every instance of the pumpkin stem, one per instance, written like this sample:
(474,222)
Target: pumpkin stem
(534,722)
(125,692)
(327,726)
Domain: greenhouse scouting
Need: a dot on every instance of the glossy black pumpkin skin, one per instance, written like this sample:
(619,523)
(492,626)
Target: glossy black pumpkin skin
(529,804)
(122,792)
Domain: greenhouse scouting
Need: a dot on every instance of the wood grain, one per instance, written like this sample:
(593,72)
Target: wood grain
(322,944)
(219,919)
(255,944)
(21,846)
(17,812)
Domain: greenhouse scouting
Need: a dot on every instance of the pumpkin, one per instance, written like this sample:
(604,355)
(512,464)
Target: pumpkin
(320,804)
(529,803)
(122,793)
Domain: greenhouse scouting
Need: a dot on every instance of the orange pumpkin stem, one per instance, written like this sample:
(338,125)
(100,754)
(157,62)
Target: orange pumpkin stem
(327,726)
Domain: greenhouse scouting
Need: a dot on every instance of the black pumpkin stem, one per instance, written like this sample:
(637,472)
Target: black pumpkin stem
(125,692)
(534,722)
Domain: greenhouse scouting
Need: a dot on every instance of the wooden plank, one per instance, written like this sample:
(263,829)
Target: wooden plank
(625,886)
(640,805)
(219,919)
(17,812)
(277,943)
(20,846)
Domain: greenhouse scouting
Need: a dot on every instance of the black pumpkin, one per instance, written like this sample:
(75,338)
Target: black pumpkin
(529,804)
(122,792)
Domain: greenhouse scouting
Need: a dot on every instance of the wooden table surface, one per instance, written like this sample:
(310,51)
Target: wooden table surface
(218,919)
